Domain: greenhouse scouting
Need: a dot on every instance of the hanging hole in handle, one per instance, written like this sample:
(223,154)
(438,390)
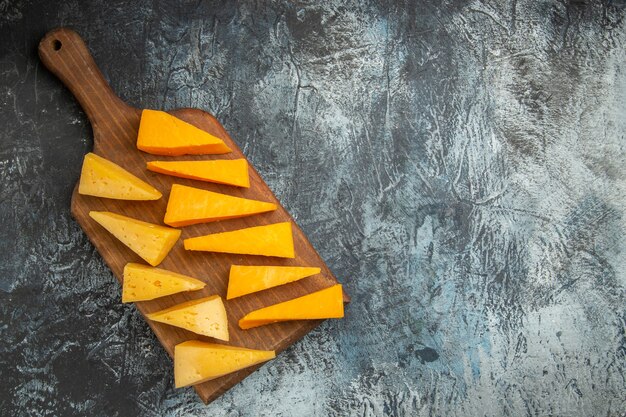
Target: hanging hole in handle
(56,44)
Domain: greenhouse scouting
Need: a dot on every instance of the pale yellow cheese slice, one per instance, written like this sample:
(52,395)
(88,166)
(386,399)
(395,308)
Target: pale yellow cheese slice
(143,282)
(150,241)
(196,362)
(205,316)
(102,178)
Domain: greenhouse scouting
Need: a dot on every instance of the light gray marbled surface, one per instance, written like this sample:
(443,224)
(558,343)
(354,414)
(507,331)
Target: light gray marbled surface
(460,166)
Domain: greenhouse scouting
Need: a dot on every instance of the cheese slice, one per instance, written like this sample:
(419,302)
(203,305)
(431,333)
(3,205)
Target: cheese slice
(324,304)
(221,171)
(189,205)
(270,240)
(205,316)
(245,279)
(196,362)
(150,241)
(142,282)
(102,178)
(161,133)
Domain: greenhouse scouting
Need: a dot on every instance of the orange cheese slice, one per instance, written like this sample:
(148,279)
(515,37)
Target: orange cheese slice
(196,362)
(324,304)
(161,133)
(142,282)
(270,240)
(245,279)
(205,316)
(189,205)
(221,171)
(102,178)
(150,241)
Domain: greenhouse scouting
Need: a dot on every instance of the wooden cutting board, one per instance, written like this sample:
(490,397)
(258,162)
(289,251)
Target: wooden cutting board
(115,125)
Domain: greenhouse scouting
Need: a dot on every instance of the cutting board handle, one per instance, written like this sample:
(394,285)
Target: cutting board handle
(65,54)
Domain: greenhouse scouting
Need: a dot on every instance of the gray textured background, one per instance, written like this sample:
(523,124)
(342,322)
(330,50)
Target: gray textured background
(459,165)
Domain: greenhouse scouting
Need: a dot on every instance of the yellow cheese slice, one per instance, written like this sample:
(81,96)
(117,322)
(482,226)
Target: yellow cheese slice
(221,171)
(142,282)
(150,241)
(205,316)
(270,240)
(102,178)
(189,205)
(161,133)
(324,304)
(196,362)
(245,279)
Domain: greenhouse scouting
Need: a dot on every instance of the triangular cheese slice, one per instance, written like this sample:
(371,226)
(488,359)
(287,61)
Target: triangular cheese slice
(324,304)
(142,282)
(270,240)
(103,178)
(246,279)
(205,316)
(196,362)
(221,171)
(161,133)
(189,205)
(150,241)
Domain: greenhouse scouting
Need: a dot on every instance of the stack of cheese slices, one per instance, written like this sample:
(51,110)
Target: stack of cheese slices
(196,361)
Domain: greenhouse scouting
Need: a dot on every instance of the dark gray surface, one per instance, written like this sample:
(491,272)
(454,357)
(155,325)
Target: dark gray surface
(460,167)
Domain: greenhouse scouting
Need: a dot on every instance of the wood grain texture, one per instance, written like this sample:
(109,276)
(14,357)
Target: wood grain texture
(115,126)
